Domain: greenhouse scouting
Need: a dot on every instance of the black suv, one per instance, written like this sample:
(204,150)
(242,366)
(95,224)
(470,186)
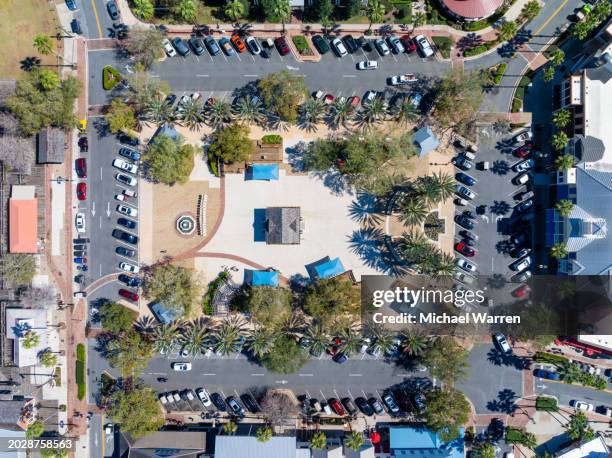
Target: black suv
(121,235)
(127,223)
(320,43)
(464,221)
(350,43)
(249,403)
(130,281)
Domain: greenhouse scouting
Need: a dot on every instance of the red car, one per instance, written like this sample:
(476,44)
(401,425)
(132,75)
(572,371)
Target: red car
(408,43)
(328,99)
(524,151)
(282,46)
(354,101)
(337,407)
(464,249)
(521,291)
(82,191)
(128,294)
(81,167)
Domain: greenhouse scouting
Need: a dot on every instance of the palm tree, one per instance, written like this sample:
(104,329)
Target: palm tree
(185,10)
(445,183)
(279,10)
(548,74)
(260,342)
(30,339)
(143,9)
(355,440)
(219,114)
(405,113)
(413,211)
(444,265)
(229,335)
(311,113)
(165,337)
(564,162)
(340,113)
(501,126)
(293,325)
(557,57)
(564,207)
(43,44)
(428,189)
(531,9)
(47,358)
(507,31)
(383,339)
(558,251)
(230,428)
(146,325)
(561,118)
(249,110)
(48,79)
(413,343)
(234,10)
(318,440)
(194,337)
(373,113)
(319,339)
(352,341)
(559,140)
(158,111)
(414,246)
(375,12)
(264,434)
(191,114)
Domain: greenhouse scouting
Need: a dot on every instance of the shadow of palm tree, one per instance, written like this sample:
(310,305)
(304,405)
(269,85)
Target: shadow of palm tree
(296,155)
(469,41)
(500,167)
(335,181)
(500,207)
(503,246)
(505,402)
(371,246)
(29,63)
(365,209)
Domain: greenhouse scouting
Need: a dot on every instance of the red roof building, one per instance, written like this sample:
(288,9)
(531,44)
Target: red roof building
(472,10)
(23,220)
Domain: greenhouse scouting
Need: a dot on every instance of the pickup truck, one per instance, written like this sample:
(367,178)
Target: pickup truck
(398,80)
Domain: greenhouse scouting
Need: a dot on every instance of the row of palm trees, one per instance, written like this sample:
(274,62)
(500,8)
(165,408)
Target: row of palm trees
(232,335)
(250,110)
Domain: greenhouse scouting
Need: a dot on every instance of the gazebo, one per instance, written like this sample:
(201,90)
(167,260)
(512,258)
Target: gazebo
(425,140)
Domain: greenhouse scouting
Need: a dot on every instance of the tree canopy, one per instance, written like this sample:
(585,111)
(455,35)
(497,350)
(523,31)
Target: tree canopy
(331,297)
(120,116)
(458,96)
(145,44)
(282,93)
(116,318)
(177,287)
(19,269)
(446,411)
(269,305)
(137,411)
(231,144)
(578,428)
(285,357)
(169,160)
(446,360)
(129,354)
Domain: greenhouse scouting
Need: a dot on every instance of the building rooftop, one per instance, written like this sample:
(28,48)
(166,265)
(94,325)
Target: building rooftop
(51,146)
(595,448)
(472,9)
(18,321)
(17,414)
(423,443)
(283,225)
(23,220)
(183,444)
(237,446)
(425,140)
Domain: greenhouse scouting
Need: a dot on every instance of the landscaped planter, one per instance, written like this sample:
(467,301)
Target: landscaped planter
(110,77)
(302,46)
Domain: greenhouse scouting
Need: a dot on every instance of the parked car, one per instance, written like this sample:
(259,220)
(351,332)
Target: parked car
(408,43)
(523,166)
(126,179)
(83,144)
(522,137)
(354,101)
(400,80)
(581,405)
(337,407)
(81,191)
(464,249)
(349,406)
(71,4)
(521,291)
(253,46)
(125,166)
(212,46)
(128,140)
(396,45)
(238,43)
(130,281)
(196,45)
(541,373)
(75,26)
(424,46)
(501,343)
(520,238)
(522,276)
(521,264)
(462,162)
(523,151)
(125,236)
(168,48)
(524,206)
(350,43)
(282,46)
(129,267)
(180,46)
(181,366)
(521,179)
(364,406)
(376,406)
(235,406)
(465,192)
(464,278)
(204,397)
(226,46)
(79,222)
(465,179)
(391,403)
(367,65)
(127,223)
(81,167)
(125,210)
(464,221)
(320,43)
(339,48)
(162,399)
(466,265)
(340,358)
(382,47)
(249,402)
(218,401)
(113,11)
(125,251)
(128,295)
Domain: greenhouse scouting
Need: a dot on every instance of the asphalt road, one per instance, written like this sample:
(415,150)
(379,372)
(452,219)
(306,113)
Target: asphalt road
(94,19)
(566,393)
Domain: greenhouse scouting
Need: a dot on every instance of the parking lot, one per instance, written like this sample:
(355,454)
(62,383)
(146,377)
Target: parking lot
(494,208)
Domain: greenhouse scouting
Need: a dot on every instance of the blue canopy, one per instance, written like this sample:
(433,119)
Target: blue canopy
(264,278)
(162,312)
(425,140)
(264,171)
(329,268)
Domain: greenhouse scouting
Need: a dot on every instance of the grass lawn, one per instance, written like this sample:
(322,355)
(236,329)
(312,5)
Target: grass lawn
(21,21)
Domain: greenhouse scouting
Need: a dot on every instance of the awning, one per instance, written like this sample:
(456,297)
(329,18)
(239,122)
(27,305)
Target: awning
(330,268)
(264,278)
(264,171)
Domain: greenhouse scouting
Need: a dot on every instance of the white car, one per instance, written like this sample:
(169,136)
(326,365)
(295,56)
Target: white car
(176,396)
(368,97)
(502,343)
(465,265)
(126,166)
(183,100)
(195,96)
(339,47)
(367,65)
(523,166)
(121,197)
(521,179)
(189,395)
(464,278)
(204,396)
(424,46)
(581,405)
(170,51)
(163,399)
(521,264)
(79,222)
(125,210)
(522,137)
(129,267)
(464,192)
(181,367)
(126,179)
(398,80)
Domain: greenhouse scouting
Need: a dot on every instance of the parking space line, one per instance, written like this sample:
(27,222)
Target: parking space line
(126,244)
(202,76)
(351,395)
(394,58)
(336,393)
(223,394)
(322,394)
(124,257)
(364,394)
(238,56)
(252,57)
(237,395)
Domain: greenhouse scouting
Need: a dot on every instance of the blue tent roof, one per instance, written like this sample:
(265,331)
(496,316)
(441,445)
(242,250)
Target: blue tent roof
(264,278)
(330,268)
(264,171)
(425,140)
(423,443)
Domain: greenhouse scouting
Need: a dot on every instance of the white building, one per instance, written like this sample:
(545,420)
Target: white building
(18,322)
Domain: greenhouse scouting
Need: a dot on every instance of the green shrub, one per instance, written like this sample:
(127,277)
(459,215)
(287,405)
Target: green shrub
(499,73)
(62,407)
(302,45)
(81,391)
(543,357)
(546,404)
(479,49)
(444,45)
(80,352)
(212,162)
(57,376)
(516,105)
(476,25)
(80,372)
(271,139)
(110,77)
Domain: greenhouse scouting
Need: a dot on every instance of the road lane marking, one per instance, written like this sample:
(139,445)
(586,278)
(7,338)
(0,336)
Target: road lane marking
(212,375)
(306,375)
(257,375)
(93,4)
(250,76)
(349,76)
(202,76)
(550,18)
(355,375)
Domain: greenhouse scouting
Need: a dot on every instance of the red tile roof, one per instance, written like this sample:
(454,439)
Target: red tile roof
(23,222)
(473,9)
